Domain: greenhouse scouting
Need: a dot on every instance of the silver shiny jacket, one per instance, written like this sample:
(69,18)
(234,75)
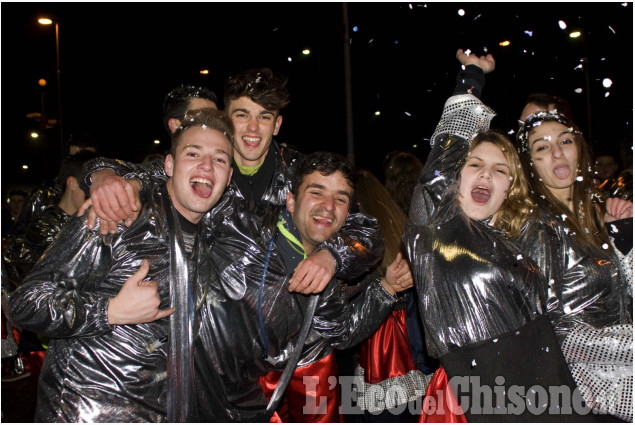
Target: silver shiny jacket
(95,372)
(26,248)
(227,385)
(584,285)
(473,282)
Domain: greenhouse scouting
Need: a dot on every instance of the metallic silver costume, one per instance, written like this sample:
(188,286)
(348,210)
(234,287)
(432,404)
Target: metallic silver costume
(473,282)
(26,248)
(95,372)
(229,362)
(587,302)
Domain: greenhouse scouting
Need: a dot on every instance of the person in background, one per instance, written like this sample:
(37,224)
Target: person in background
(11,209)
(542,102)
(401,171)
(49,194)
(611,181)
(384,360)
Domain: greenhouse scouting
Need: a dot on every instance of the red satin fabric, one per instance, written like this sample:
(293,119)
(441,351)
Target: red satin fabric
(440,404)
(316,392)
(386,353)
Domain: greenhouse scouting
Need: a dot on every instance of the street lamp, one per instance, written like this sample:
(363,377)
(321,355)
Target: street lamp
(47,21)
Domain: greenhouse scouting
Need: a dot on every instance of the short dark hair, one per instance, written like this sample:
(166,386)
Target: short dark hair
(326,163)
(72,166)
(546,100)
(82,140)
(261,85)
(205,117)
(18,192)
(177,100)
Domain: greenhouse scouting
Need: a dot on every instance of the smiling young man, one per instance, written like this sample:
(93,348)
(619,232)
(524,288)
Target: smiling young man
(104,301)
(250,257)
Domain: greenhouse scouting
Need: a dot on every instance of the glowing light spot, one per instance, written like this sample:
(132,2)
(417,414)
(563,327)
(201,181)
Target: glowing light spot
(377,113)
(25,167)
(562,24)
(407,113)
(612,30)
(579,178)
(605,246)
(575,34)
(306,52)
(157,142)
(355,28)
(578,90)
(607,94)
(461,12)
(34,135)
(529,33)
(607,82)
(504,43)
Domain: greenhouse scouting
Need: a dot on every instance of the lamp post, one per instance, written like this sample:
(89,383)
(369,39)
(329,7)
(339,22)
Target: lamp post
(47,21)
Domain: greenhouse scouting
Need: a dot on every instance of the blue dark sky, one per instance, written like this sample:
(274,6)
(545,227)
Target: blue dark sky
(119,59)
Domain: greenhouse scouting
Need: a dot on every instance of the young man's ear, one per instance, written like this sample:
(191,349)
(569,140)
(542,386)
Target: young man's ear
(173,124)
(168,165)
(72,183)
(276,129)
(290,202)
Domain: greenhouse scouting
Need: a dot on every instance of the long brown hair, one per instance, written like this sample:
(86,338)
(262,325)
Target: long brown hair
(587,221)
(377,202)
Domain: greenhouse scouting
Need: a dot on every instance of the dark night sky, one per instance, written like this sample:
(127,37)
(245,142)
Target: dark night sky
(119,59)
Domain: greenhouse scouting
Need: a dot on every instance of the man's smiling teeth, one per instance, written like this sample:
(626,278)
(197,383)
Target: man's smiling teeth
(328,220)
(251,139)
(200,180)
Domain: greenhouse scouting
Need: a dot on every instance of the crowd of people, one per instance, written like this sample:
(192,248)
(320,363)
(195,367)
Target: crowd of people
(236,278)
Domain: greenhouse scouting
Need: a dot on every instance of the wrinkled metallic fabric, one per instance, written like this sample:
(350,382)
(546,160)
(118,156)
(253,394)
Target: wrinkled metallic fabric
(589,307)
(40,200)
(95,372)
(352,258)
(473,282)
(26,248)
(237,255)
(584,286)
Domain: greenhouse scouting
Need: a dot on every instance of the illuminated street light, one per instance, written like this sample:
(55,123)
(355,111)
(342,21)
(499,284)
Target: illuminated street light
(47,21)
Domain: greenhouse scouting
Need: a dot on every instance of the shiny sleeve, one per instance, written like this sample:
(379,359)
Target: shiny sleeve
(346,323)
(357,247)
(147,173)
(53,299)
(539,240)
